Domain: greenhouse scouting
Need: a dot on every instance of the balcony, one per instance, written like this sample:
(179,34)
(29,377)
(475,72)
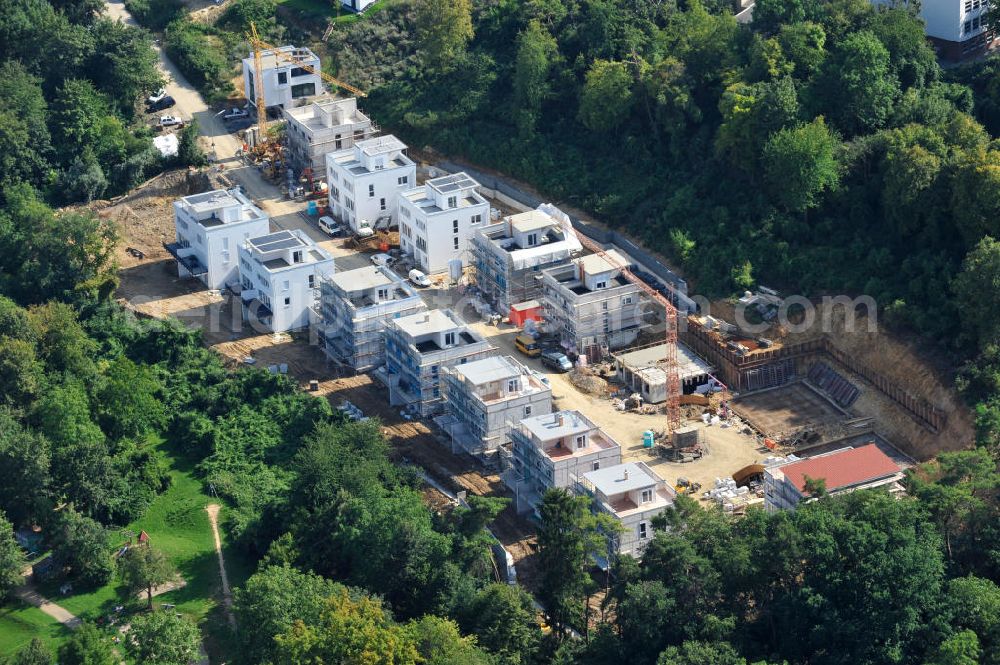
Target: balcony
(184,254)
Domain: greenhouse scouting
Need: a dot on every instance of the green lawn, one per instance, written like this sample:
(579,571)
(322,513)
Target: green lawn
(178,525)
(20,622)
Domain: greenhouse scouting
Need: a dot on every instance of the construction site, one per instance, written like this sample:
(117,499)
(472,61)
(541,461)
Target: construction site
(696,399)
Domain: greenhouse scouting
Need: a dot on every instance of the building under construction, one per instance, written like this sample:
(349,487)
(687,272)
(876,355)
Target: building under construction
(354,308)
(510,255)
(591,305)
(644,371)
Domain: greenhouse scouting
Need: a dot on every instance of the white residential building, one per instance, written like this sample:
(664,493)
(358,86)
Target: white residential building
(279,275)
(355,307)
(958,28)
(418,347)
(364,180)
(633,494)
(211,226)
(591,306)
(321,127)
(510,255)
(554,451)
(437,221)
(284,80)
(358,5)
(644,371)
(485,398)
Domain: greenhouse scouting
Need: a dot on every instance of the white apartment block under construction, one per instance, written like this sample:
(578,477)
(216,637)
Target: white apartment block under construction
(285,80)
(591,306)
(484,398)
(418,347)
(355,307)
(554,451)
(323,126)
(632,494)
(510,254)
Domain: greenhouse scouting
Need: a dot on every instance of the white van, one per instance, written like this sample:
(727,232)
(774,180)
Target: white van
(328,226)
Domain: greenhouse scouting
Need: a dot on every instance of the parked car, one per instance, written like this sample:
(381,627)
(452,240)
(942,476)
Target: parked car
(234,114)
(419,278)
(329,226)
(170,121)
(156,96)
(527,345)
(382,259)
(556,360)
(163,104)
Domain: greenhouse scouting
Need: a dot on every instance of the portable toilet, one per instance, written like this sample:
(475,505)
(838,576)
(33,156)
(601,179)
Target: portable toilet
(648,439)
(311,208)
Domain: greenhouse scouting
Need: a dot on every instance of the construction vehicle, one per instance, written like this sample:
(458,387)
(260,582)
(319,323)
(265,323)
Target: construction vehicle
(685,486)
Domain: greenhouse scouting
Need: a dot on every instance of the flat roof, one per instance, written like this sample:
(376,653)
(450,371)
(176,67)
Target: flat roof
(306,115)
(557,425)
(488,370)
(278,240)
(362,279)
(431,321)
(842,468)
(621,478)
(420,198)
(651,362)
(213,200)
(269,60)
(595,263)
(380,145)
(533,220)
(452,183)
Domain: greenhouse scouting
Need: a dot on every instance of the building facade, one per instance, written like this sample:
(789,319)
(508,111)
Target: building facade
(590,306)
(840,471)
(211,227)
(322,127)
(644,371)
(554,451)
(365,178)
(632,494)
(510,255)
(437,220)
(284,79)
(959,28)
(484,398)
(280,274)
(418,347)
(355,307)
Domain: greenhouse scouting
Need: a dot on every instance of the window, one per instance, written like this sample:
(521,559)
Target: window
(297,256)
(581,442)
(975,23)
(527,411)
(402,180)
(477,219)
(456,242)
(532,239)
(312,281)
(454,226)
(379,164)
(452,201)
(512,385)
(381,204)
(449,338)
(968,6)
(968,27)
(647,496)
(422,244)
(303,90)
(383,294)
(627,300)
(349,203)
(405,212)
(371,191)
(597,465)
(284,285)
(298,71)
(604,305)
(601,285)
(282,78)
(642,531)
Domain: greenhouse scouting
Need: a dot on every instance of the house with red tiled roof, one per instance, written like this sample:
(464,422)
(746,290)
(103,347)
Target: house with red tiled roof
(841,471)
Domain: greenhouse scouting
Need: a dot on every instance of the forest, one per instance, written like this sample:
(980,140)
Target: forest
(823,149)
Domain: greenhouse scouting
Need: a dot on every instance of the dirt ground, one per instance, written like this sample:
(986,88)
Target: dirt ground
(781,411)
